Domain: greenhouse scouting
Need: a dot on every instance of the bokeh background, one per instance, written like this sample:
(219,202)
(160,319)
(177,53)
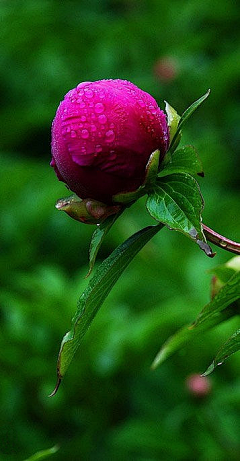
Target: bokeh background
(110,405)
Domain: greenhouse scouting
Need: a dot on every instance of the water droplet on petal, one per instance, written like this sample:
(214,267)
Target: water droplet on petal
(85,134)
(110,136)
(102,119)
(141,103)
(93,128)
(99,108)
(89,94)
(98,148)
(83,118)
(73,134)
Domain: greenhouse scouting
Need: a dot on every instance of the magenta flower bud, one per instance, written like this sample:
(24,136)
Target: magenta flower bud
(102,137)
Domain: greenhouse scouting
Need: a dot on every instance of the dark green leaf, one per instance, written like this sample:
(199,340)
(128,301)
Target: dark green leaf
(98,237)
(96,292)
(229,348)
(188,333)
(176,201)
(184,160)
(188,112)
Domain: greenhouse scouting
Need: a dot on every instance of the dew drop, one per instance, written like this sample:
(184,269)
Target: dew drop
(85,134)
(83,118)
(81,103)
(99,108)
(91,104)
(93,128)
(141,103)
(111,125)
(98,148)
(102,119)
(83,150)
(110,136)
(89,94)
(73,134)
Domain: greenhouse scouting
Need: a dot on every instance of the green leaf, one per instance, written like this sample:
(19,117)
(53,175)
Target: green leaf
(96,292)
(184,160)
(220,308)
(43,454)
(188,112)
(176,201)
(98,237)
(228,294)
(187,333)
(229,348)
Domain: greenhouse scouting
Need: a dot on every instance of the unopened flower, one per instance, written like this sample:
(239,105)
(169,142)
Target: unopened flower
(102,137)
(198,386)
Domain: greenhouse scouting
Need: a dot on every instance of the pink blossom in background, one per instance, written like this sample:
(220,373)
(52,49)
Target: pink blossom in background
(103,135)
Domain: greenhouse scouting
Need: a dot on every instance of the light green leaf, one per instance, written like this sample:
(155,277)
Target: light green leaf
(184,160)
(229,348)
(98,237)
(188,112)
(43,454)
(96,292)
(229,293)
(173,119)
(176,201)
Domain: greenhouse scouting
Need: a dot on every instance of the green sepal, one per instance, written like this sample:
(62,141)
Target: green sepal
(184,160)
(185,116)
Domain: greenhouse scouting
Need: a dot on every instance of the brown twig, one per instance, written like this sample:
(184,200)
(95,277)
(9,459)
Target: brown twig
(221,241)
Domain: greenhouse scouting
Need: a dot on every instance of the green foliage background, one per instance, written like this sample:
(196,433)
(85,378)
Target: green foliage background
(111,406)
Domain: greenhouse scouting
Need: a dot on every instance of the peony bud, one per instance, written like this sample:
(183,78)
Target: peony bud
(102,137)
(198,386)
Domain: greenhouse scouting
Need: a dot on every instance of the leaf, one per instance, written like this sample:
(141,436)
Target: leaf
(96,292)
(229,348)
(184,160)
(220,308)
(188,112)
(187,333)
(98,237)
(43,454)
(176,201)
(228,294)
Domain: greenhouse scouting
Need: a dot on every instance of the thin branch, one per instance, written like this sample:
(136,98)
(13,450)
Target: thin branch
(221,241)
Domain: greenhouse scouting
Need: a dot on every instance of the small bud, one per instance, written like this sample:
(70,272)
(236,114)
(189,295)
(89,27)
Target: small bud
(102,137)
(198,386)
(87,211)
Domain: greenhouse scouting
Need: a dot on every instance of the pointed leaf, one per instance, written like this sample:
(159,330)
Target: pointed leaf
(184,160)
(176,201)
(98,237)
(96,292)
(43,454)
(228,294)
(229,348)
(173,119)
(187,333)
(188,112)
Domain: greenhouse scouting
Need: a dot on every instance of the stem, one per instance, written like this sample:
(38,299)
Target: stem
(221,241)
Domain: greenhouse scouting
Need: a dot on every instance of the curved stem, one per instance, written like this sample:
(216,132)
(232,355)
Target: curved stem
(221,241)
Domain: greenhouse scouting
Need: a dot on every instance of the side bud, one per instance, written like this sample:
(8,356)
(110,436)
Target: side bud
(87,211)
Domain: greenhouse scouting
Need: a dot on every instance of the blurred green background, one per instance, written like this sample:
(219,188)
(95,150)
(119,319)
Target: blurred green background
(110,405)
